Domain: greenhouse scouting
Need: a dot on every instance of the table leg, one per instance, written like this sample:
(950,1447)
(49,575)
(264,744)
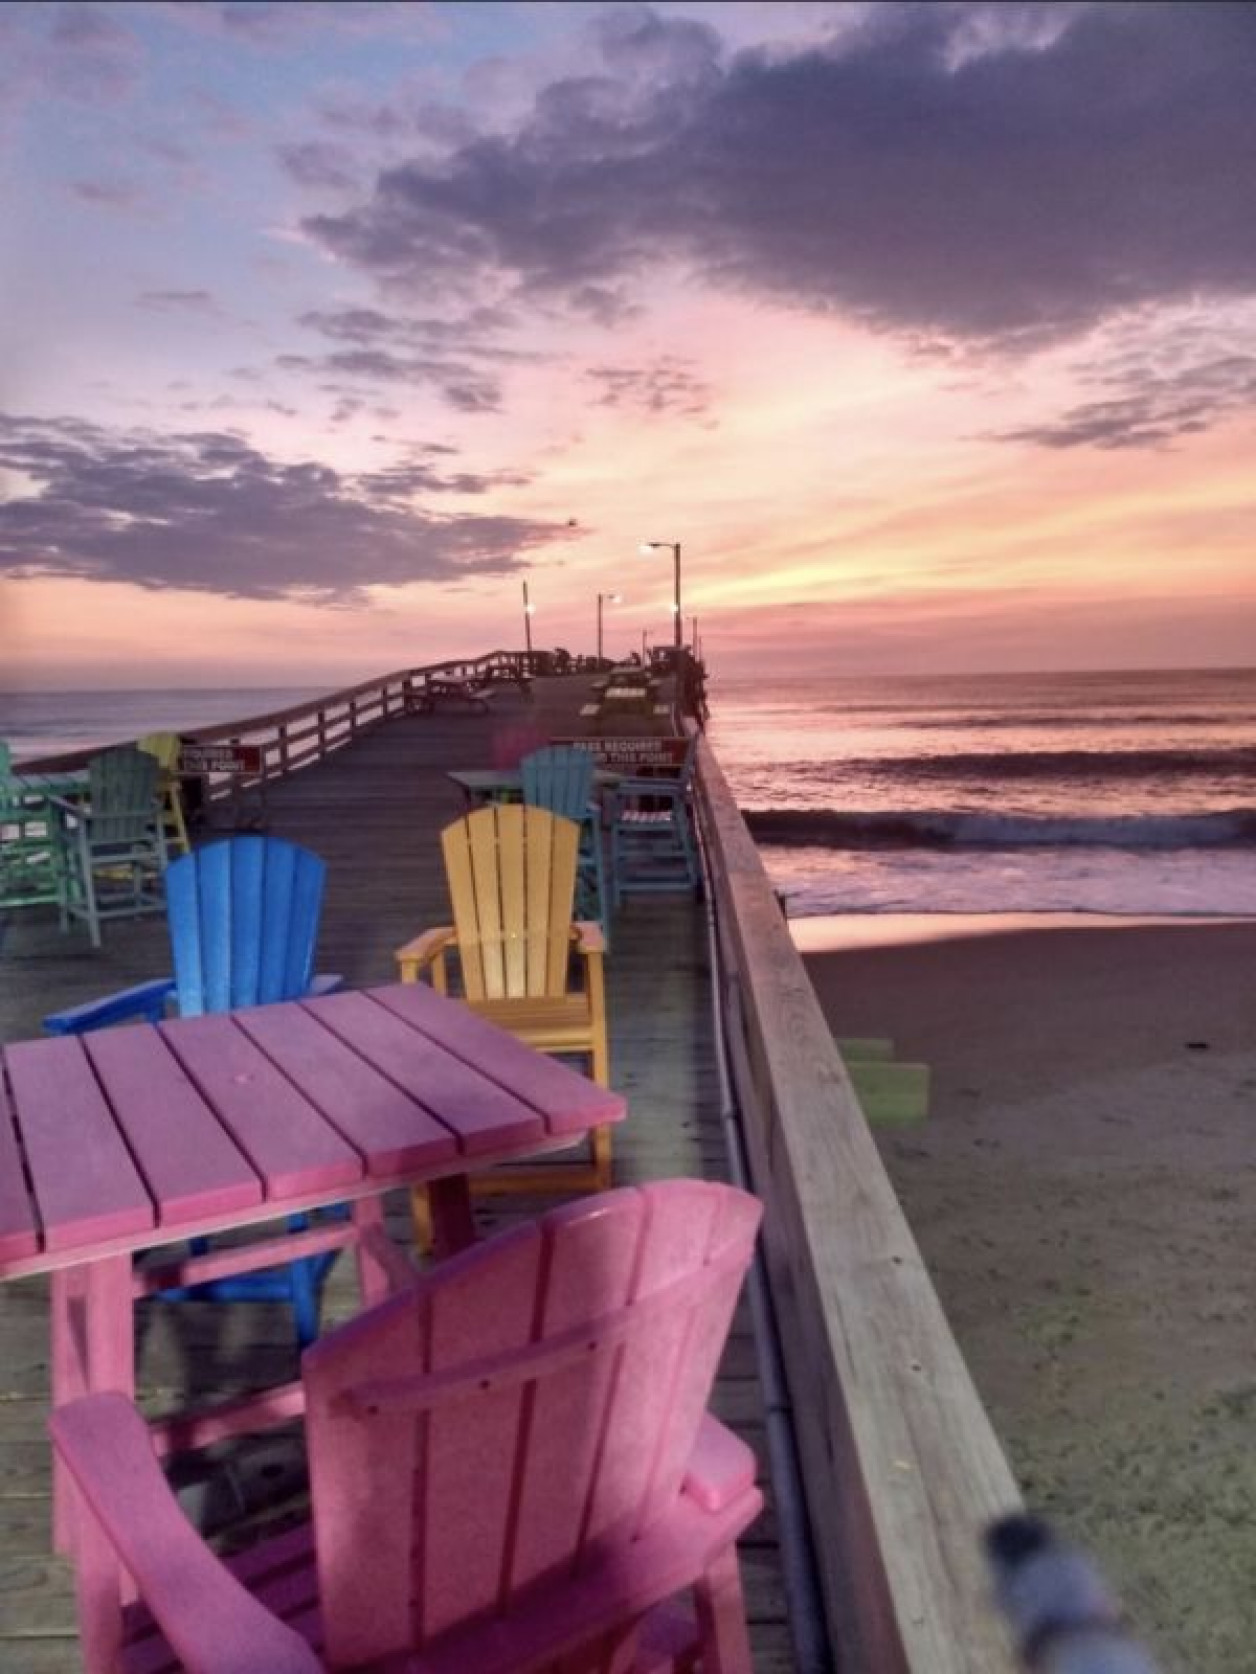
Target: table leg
(453,1224)
(373,1282)
(93,1348)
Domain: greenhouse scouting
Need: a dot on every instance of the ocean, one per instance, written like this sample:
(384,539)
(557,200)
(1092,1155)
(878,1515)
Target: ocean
(1129,793)
(992,794)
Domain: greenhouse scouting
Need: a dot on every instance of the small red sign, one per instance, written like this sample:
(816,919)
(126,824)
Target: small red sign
(220,758)
(622,754)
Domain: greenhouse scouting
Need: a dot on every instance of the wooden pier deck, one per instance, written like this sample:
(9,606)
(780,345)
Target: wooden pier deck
(373,810)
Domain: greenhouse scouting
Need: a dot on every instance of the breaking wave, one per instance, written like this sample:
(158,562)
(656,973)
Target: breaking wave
(798,828)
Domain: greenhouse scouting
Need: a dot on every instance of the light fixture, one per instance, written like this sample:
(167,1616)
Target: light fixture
(611,598)
(678,624)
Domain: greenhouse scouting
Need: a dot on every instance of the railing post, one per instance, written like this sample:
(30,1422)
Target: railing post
(353,716)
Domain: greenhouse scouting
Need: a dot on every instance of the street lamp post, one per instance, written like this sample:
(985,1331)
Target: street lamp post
(527,624)
(678,627)
(612,598)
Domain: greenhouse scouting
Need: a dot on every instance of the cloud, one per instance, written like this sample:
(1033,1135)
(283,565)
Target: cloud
(463,387)
(667,386)
(317,163)
(1155,381)
(123,195)
(1009,175)
(177,302)
(93,58)
(208,511)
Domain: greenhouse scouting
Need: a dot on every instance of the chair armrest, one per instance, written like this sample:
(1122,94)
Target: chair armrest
(418,954)
(324,985)
(213,1624)
(588,937)
(146,1000)
(721,1467)
(648,787)
(63,805)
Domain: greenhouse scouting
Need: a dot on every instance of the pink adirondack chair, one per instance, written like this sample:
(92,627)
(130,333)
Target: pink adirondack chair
(511,1466)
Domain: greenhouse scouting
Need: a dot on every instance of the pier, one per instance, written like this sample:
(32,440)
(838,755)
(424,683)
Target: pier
(879,1463)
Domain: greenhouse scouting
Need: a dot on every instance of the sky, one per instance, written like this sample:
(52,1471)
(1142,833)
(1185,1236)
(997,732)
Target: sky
(928,332)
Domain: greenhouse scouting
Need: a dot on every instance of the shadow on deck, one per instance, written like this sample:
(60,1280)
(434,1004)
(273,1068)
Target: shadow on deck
(372,810)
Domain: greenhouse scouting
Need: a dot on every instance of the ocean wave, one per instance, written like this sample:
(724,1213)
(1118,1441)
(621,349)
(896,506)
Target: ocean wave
(1069,720)
(1060,764)
(822,828)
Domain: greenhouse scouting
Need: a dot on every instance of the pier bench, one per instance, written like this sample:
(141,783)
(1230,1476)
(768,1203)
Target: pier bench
(435,692)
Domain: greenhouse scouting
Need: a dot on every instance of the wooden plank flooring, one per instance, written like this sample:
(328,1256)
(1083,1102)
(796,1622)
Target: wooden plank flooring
(373,811)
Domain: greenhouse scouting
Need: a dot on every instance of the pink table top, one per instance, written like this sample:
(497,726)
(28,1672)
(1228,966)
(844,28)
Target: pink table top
(137,1136)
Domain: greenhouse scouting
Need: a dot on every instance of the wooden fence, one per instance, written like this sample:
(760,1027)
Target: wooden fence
(289,739)
(901,1467)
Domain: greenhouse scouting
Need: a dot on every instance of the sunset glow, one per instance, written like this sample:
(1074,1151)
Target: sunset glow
(327,326)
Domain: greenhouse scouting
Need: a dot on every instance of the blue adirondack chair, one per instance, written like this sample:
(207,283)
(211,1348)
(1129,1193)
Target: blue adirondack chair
(243,917)
(560,777)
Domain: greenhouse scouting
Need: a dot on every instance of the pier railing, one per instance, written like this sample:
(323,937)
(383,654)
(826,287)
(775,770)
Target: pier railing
(289,739)
(901,1467)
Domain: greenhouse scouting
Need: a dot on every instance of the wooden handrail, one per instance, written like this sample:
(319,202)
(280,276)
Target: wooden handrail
(334,710)
(902,1468)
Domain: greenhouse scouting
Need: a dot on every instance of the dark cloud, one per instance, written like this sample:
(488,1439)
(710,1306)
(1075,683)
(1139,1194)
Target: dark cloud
(1004,174)
(317,163)
(178,302)
(472,333)
(463,387)
(108,194)
(1152,408)
(668,386)
(208,511)
(94,58)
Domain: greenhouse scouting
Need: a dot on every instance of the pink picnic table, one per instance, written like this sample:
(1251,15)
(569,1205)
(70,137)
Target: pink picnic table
(131,1138)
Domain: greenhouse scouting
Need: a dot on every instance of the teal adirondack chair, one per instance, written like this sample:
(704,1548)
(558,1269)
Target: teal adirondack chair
(32,872)
(113,844)
(653,847)
(560,777)
(243,917)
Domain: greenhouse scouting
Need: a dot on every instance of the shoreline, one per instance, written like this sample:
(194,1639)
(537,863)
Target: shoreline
(1083,1191)
(819,933)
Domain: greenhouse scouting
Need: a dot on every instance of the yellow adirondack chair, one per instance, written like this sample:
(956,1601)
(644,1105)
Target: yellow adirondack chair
(165,747)
(511,871)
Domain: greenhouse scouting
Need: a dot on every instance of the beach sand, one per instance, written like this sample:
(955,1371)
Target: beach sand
(1084,1193)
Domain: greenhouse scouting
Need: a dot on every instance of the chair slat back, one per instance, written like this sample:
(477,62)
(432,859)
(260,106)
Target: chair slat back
(434,1515)
(163,747)
(123,796)
(511,871)
(560,778)
(243,917)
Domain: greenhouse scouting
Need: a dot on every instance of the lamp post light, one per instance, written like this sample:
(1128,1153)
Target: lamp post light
(610,598)
(528,611)
(678,626)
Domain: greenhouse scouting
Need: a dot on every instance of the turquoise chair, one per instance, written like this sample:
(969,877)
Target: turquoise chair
(653,847)
(243,916)
(113,844)
(32,872)
(561,778)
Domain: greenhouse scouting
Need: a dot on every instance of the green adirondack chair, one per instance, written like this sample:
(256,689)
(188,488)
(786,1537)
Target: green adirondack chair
(31,869)
(114,843)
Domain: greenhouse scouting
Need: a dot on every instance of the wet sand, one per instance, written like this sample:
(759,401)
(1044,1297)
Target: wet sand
(1084,1192)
